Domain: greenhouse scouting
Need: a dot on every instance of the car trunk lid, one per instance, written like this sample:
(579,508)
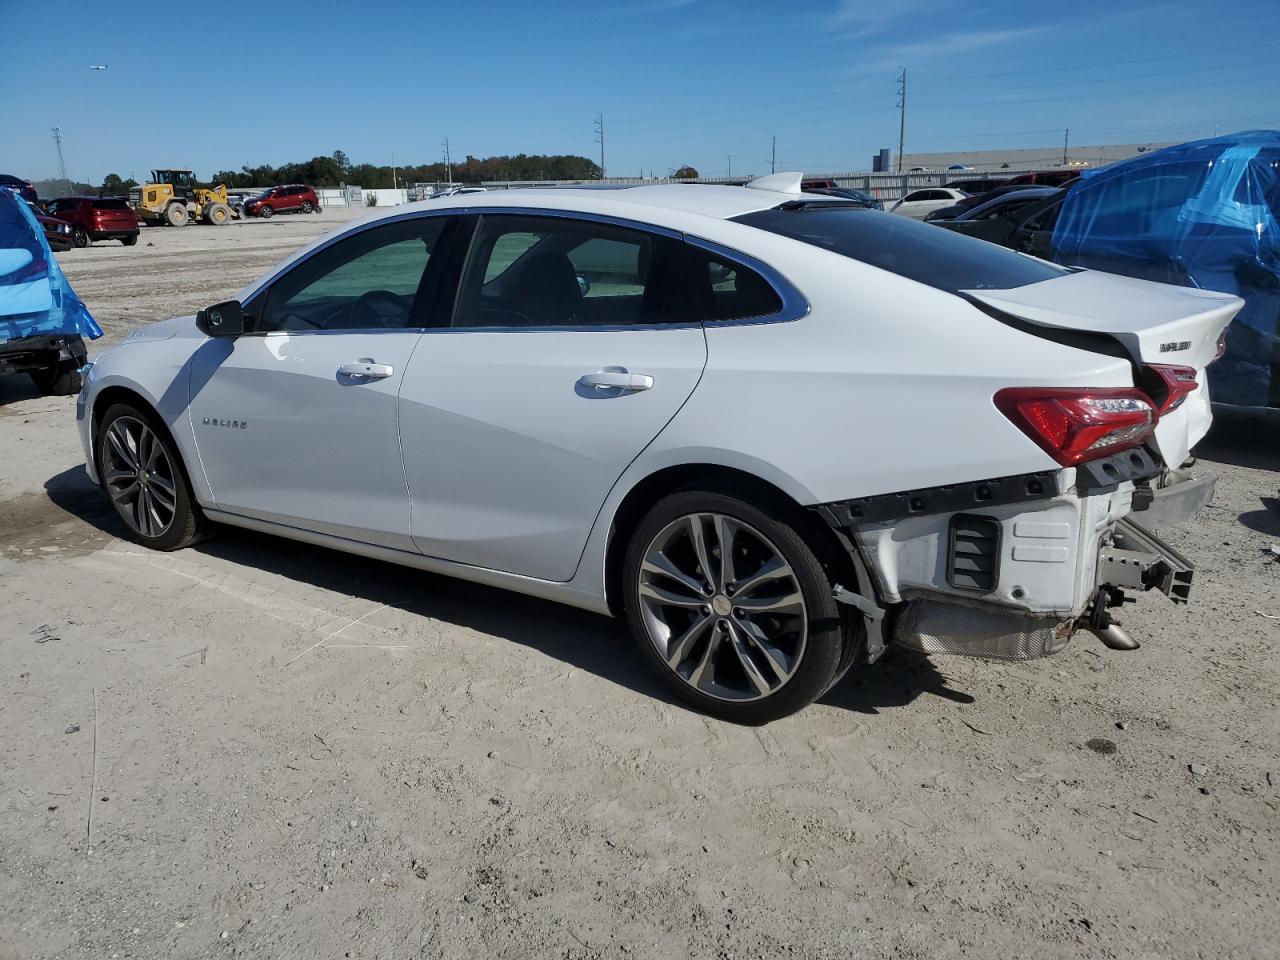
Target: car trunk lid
(1155,323)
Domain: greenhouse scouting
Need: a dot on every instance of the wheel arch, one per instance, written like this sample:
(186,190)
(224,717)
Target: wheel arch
(115,393)
(739,482)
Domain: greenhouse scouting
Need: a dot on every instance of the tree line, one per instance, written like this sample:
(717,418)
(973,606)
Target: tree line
(337,168)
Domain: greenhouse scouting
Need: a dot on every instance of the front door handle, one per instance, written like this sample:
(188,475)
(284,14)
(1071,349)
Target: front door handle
(366,369)
(617,380)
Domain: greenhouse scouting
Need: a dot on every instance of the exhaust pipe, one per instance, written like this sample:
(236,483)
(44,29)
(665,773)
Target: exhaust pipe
(1115,637)
(1102,625)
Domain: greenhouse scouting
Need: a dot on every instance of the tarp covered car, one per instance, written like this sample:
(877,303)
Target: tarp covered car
(42,322)
(1200,214)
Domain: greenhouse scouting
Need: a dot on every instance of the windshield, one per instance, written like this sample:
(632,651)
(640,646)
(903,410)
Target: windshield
(912,249)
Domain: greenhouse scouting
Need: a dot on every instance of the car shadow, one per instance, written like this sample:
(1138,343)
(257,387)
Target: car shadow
(16,388)
(1266,520)
(1243,439)
(898,679)
(582,640)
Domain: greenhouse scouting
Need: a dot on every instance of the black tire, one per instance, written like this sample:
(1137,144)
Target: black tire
(58,381)
(317,209)
(176,215)
(827,638)
(306,206)
(130,240)
(265,212)
(188,524)
(80,238)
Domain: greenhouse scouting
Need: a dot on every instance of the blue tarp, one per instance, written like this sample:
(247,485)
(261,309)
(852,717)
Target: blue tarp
(1201,214)
(35,298)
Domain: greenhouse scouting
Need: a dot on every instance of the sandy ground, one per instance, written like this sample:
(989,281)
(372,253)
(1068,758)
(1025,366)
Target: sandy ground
(259,749)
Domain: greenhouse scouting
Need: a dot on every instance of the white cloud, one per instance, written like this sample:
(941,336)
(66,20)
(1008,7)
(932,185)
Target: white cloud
(937,48)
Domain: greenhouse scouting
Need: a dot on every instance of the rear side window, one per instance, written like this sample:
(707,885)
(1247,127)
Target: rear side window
(918,251)
(110,205)
(729,291)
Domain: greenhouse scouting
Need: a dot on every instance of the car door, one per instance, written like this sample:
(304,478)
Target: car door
(296,421)
(572,344)
(1034,233)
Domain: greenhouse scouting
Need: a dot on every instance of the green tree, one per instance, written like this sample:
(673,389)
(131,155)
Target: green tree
(686,173)
(114,186)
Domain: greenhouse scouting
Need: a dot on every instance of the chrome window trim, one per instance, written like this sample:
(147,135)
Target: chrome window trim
(346,234)
(794,304)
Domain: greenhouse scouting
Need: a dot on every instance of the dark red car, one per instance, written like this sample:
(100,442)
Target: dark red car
(22,187)
(96,218)
(294,198)
(57,233)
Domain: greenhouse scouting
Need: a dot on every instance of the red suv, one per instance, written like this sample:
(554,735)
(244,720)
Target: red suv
(96,218)
(294,198)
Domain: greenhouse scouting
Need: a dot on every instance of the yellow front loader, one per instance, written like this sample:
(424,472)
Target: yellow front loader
(173,197)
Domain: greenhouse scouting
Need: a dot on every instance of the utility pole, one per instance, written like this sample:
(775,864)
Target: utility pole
(394,185)
(773,157)
(600,139)
(62,164)
(1065,138)
(730,174)
(448,166)
(902,114)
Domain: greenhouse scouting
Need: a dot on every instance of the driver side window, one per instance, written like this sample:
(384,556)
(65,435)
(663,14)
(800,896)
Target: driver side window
(372,280)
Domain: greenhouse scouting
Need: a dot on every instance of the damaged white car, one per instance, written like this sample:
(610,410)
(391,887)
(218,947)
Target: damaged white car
(774,431)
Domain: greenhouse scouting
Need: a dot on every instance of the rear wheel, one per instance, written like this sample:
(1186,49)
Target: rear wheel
(306,206)
(59,380)
(265,212)
(731,605)
(175,214)
(130,240)
(79,237)
(143,475)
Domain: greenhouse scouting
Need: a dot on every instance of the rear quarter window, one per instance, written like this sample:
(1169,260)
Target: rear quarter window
(918,251)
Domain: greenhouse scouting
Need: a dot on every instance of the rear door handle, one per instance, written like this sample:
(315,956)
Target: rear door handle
(615,380)
(367,369)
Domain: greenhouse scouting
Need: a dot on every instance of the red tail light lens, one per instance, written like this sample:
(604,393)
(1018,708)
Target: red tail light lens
(1178,383)
(1074,424)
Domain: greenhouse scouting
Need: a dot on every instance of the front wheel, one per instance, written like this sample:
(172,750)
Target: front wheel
(265,212)
(143,475)
(729,603)
(58,380)
(79,237)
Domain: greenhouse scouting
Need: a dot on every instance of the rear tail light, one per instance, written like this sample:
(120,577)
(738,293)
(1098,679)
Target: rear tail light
(1074,424)
(1176,382)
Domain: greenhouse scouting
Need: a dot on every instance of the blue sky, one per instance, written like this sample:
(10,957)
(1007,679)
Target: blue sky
(678,81)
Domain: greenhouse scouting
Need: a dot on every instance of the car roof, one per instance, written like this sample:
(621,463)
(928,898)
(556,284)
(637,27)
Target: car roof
(660,204)
(1028,193)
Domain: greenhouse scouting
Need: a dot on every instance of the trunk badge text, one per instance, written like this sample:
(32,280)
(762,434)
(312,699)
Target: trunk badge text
(1175,346)
(233,424)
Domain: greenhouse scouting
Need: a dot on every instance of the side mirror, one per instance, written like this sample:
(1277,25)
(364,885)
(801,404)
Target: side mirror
(221,320)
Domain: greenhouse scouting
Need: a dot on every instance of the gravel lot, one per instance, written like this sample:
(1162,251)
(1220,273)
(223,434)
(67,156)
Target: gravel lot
(255,748)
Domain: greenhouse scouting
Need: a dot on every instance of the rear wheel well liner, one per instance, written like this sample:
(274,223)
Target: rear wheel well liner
(716,478)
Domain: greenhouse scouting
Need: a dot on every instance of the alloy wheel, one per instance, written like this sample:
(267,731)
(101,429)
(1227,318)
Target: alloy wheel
(722,607)
(139,476)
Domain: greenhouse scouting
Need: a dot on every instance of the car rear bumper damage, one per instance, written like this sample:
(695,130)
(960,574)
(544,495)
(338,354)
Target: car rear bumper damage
(1011,568)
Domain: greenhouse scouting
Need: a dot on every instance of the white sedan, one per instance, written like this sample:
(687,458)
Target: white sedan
(918,204)
(773,431)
